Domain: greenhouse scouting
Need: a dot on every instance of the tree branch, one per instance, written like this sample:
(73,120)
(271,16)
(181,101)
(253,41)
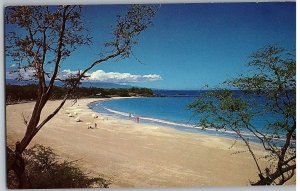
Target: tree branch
(59,47)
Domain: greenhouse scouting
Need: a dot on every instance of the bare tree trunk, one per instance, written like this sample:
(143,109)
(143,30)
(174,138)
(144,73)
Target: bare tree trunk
(16,163)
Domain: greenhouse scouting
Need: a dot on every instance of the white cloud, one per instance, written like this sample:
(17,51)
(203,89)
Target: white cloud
(115,77)
(27,74)
(96,76)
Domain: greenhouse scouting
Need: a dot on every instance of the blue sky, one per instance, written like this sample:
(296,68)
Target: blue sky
(189,45)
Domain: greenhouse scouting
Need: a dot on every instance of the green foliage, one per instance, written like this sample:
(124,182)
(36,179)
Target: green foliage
(221,109)
(273,78)
(15,93)
(45,170)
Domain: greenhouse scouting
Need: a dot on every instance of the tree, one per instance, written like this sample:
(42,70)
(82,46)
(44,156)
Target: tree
(45,37)
(268,89)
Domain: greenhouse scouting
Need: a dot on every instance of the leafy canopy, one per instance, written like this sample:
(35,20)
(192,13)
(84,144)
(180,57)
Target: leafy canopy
(268,89)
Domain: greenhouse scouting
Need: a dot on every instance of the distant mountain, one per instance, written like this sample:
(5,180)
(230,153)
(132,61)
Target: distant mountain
(177,93)
(83,84)
(103,85)
(16,82)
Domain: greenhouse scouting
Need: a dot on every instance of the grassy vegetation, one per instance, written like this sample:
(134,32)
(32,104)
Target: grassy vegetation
(16,93)
(45,170)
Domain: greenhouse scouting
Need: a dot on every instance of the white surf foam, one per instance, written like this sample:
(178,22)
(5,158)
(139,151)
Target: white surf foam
(181,124)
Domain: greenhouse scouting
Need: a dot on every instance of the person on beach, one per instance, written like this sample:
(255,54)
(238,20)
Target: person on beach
(137,119)
(129,115)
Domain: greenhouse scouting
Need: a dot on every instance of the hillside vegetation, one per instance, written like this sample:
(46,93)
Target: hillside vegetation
(17,93)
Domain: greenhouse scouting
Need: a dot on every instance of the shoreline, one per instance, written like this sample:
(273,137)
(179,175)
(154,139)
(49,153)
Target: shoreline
(135,154)
(183,127)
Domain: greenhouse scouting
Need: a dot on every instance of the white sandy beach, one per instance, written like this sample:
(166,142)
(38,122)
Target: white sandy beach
(137,155)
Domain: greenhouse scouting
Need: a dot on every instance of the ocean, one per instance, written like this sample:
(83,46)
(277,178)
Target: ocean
(172,111)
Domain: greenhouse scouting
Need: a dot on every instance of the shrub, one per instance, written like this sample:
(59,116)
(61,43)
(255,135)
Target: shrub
(44,170)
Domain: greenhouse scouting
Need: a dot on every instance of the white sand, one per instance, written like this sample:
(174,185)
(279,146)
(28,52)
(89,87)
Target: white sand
(137,155)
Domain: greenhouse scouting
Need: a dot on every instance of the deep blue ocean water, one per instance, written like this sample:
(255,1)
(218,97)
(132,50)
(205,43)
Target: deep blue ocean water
(172,111)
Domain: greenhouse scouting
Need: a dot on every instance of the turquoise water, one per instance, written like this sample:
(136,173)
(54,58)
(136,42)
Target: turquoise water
(168,111)
(165,108)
